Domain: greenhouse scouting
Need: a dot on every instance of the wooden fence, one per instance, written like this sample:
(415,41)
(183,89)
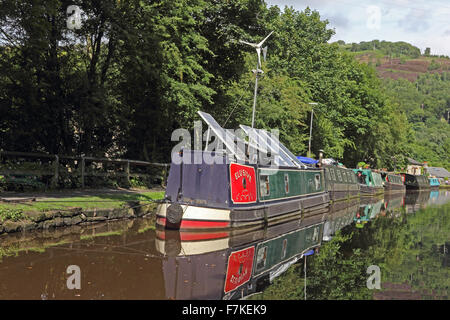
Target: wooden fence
(58,171)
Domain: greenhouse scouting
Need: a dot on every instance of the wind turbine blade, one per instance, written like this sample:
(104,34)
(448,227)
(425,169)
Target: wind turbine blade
(264,50)
(258,50)
(260,44)
(245,42)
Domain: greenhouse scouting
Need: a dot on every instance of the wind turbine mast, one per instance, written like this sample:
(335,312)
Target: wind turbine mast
(258,47)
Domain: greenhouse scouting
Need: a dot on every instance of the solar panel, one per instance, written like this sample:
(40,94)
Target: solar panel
(286,151)
(259,140)
(266,144)
(268,141)
(227,137)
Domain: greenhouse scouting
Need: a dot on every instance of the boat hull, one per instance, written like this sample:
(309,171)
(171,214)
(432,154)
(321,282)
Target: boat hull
(413,182)
(366,190)
(341,183)
(394,187)
(207,218)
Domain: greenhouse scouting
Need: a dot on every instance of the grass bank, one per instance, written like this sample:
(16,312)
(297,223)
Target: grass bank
(47,212)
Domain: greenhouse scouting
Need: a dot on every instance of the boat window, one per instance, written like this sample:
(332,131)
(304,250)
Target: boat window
(317,181)
(283,250)
(350,176)
(261,258)
(339,175)
(344,176)
(264,187)
(286,183)
(316,234)
(332,174)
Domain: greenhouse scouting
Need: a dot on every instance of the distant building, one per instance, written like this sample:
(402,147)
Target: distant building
(437,172)
(414,167)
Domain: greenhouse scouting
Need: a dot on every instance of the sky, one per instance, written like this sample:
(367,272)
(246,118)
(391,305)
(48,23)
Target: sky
(421,23)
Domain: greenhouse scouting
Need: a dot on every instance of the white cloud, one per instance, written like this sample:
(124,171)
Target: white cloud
(421,23)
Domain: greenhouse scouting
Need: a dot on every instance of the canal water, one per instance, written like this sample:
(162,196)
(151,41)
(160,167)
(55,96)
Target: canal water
(393,247)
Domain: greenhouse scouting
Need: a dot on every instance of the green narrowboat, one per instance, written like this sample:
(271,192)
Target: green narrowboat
(392,182)
(341,183)
(370,182)
(237,190)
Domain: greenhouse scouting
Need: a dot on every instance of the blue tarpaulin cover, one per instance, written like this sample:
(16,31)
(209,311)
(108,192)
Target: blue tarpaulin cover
(307,160)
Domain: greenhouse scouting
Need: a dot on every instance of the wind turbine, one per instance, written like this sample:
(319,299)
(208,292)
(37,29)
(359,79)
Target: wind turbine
(258,48)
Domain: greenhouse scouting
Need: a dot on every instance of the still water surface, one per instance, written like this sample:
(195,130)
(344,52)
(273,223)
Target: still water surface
(406,235)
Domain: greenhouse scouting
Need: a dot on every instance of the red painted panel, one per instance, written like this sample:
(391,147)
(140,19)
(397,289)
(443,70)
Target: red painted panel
(239,270)
(243,183)
(193,224)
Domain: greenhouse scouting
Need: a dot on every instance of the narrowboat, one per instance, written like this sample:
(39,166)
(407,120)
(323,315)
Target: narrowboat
(370,182)
(415,182)
(341,183)
(238,189)
(434,183)
(231,264)
(392,182)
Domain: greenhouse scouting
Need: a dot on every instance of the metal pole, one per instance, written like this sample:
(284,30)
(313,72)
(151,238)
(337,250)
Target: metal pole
(305,277)
(310,133)
(254,98)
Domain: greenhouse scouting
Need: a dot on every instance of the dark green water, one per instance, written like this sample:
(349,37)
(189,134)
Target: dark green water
(406,236)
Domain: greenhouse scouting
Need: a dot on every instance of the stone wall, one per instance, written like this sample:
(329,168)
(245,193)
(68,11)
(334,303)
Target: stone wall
(75,216)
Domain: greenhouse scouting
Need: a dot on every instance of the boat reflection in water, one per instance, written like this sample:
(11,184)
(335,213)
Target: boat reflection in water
(235,264)
(416,200)
(341,215)
(368,209)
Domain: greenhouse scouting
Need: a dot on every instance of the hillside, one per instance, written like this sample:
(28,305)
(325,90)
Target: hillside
(396,60)
(409,69)
(424,98)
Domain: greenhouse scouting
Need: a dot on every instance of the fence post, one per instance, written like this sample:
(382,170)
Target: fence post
(166,173)
(55,179)
(127,170)
(82,171)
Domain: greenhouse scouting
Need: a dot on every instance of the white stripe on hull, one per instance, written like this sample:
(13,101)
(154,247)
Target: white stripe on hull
(197,213)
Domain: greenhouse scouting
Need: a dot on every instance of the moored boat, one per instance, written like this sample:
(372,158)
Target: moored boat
(415,182)
(434,183)
(230,193)
(341,183)
(370,182)
(392,182)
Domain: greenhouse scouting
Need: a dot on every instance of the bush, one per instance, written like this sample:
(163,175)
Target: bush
(11,214)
